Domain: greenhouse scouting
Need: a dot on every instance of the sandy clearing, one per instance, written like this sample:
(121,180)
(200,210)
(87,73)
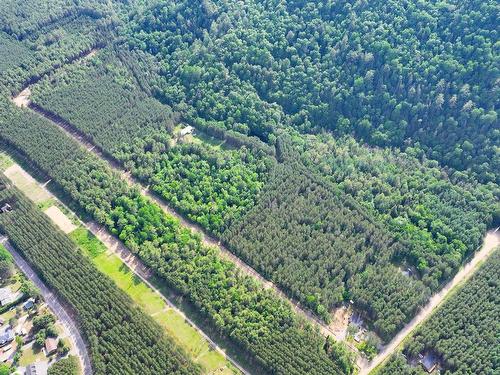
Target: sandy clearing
(60,219)
(27,184)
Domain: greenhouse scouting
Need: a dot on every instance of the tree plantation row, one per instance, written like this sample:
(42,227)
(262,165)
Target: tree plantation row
(357,235)
(121,338)
(262,324)
(463,334)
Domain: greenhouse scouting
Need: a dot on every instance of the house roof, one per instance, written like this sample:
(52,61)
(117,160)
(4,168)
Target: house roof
(187,130)
(6,335)
(50,345)
(29,304)
(6,296)
(429,361)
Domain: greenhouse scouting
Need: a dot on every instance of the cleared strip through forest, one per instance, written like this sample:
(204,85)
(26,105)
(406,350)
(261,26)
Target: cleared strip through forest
(208,240)
(141,271)
(491,241)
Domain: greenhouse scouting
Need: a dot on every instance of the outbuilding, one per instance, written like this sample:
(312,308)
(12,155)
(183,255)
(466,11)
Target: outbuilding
(50,346)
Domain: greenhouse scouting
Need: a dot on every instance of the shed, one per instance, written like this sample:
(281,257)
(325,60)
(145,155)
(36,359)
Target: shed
(50,346)
(429,362)
(187,130)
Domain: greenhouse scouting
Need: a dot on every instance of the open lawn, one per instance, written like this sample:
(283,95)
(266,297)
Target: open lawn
(60,219)
(30,355)
(5,161)
(187,337)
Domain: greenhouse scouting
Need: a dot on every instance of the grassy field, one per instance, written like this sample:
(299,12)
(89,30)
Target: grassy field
(31,355)
(189,338)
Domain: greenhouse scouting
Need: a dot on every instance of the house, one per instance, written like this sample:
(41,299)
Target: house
(187,130)
(38,368)
(6,296)
(429,362)
(356,319)
(6,208)
(50,346)
(29,304)
(6,336)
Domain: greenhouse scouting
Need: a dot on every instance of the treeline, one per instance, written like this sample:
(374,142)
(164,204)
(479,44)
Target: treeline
(65,366)
(320,246)
(121,338)
(28,60)
(259,322)
(463,333)
(212,185)
(442,216)
(24,20)
(391,73)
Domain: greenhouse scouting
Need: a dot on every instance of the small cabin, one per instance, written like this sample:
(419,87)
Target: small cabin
(186,130)
(429,362)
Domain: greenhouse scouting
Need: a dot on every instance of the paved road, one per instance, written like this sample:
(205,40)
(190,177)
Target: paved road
(491,241)
(52,301)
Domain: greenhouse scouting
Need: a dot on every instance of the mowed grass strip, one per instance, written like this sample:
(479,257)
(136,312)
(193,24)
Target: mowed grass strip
(186,336)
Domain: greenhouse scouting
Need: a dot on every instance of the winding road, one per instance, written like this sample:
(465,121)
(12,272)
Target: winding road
(52,301)
(491,241)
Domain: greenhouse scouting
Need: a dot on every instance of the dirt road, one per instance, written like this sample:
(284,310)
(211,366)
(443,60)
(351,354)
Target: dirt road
(54,304)
(145,274)
(207,239)
(491,241)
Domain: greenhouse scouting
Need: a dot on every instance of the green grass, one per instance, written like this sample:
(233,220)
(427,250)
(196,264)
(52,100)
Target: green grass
(5,162)
(31,355)
(173,323)
(46,204)
(89,243)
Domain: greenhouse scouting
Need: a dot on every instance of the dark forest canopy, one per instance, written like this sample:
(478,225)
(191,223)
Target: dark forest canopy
(338,143)
(392,73)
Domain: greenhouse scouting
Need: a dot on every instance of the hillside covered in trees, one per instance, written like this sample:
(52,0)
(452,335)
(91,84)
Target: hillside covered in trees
(392,73)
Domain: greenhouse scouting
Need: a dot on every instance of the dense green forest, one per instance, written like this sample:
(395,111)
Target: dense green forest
(442,217)
(210,185)
(431,218)
(464,332)
(392,73)
(122,339)
(66,366)
(261,323)
(24,61)
(319,245)
(337,144)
